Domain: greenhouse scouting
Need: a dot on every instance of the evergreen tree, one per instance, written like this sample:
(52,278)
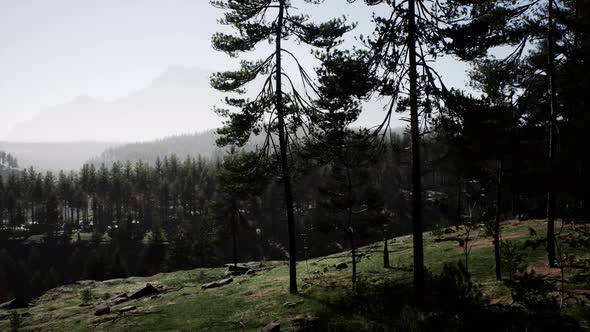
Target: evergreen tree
(405,41)
(274,110)
(241,178)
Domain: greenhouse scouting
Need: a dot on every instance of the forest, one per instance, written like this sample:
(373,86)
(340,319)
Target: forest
(510,146)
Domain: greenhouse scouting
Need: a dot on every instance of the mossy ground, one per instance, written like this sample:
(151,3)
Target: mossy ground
(250,302)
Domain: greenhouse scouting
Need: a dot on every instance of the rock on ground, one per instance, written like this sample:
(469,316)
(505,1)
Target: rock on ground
(148,290)
(14,304)
(127,308)
(341,266)
(85,282)
(123,297)
(102,311)
(216,284)
(272,327)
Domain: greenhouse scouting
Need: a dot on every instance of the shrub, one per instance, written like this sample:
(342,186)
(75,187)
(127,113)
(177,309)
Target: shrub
(106,296)
(453,290)
(15,321)
(86,296)
(512,258)
(532,292)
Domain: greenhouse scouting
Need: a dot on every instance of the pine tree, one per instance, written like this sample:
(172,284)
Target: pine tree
(241,178)
(274,110)
(412,35)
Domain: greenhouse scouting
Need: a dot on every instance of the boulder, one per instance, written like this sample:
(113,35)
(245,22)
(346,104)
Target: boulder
(85,282)
(127,308)
(102,311)
(113,281)
(148,290)
(218,283)
(123,297)
(233,270)
(291,304)
(14,304)
(272,327)
(341,266)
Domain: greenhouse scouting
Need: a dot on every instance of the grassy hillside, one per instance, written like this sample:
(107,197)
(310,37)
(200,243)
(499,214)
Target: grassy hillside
(326,300)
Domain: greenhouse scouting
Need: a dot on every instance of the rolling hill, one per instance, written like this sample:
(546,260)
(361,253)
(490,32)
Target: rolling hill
(180,301)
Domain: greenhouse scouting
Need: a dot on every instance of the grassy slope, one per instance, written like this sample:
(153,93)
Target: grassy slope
(251,302)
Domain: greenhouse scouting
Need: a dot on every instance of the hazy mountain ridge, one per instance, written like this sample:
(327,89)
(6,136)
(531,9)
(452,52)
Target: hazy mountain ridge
(55,156)
(198,144)
(194,145)
(178,101)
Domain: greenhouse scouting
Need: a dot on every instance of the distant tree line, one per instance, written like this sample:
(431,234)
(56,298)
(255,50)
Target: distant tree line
(7,160)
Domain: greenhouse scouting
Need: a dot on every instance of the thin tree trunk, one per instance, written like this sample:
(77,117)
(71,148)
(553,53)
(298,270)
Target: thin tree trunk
(416,167)
(350,229)
(86,210)
(551,205)
(234,231)
(459,201)
(386,264)
(283,151)
(497,256)
(353,254)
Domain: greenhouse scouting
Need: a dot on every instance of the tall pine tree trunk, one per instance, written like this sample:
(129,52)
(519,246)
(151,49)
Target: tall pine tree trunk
(234,235)
(551,205)
(386,264)
(497,256)
(416,167)
(283,151)
(350,229)
(459,211)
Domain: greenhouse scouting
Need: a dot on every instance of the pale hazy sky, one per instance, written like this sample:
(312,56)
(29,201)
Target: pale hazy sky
(52,51)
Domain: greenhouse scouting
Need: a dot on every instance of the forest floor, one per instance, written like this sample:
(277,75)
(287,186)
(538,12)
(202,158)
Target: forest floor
(252,301)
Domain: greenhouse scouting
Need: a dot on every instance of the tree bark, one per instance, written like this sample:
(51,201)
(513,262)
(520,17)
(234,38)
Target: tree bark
(283,151)
(234,231)
(386,264)
(497,256)
(551,204)
(353,254)
(416,167)
(459,201)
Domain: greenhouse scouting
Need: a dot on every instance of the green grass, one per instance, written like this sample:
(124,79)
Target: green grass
(251,302)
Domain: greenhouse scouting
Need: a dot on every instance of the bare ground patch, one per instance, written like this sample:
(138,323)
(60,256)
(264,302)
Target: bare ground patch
(489,241)
(543,269)
(266,292)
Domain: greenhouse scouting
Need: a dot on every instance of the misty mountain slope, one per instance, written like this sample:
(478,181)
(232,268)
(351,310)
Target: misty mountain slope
(194,145)
(55,156)
(182,145)
(178,101)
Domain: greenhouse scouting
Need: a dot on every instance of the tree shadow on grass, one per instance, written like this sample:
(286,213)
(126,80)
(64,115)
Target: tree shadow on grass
(452,303)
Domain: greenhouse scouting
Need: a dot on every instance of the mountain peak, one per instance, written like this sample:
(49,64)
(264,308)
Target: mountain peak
(179,100)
